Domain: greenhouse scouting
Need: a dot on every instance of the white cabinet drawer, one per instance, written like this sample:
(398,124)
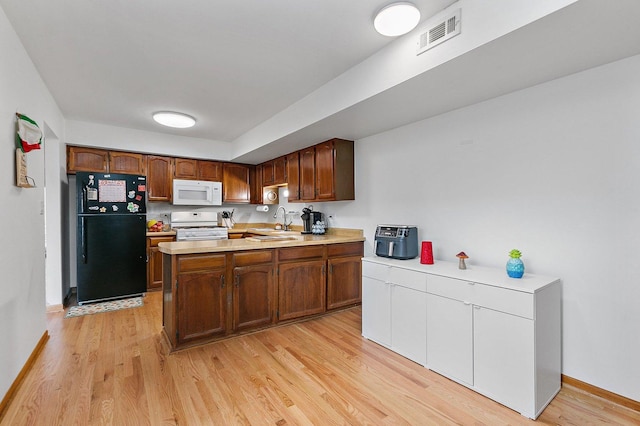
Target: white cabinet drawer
(408,278)
(450,287)
(375,270)
(510,301)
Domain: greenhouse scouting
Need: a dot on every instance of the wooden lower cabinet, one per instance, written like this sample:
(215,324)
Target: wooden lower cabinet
(210,296)
(154,261)
(253,297)
(301,289)
(201,297)
(344,277)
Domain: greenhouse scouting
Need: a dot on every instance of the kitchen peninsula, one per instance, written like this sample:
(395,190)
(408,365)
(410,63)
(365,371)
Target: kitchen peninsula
(221,288)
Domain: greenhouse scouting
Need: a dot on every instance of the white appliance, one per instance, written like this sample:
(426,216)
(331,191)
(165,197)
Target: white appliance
(197,193)
(197,226)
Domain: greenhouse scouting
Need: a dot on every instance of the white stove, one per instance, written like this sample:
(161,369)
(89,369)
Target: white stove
(197,226)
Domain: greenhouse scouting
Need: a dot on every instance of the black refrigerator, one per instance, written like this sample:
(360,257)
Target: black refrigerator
(111,236)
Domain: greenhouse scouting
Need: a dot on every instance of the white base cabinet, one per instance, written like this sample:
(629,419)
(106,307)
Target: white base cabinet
(394,310)
(496,335)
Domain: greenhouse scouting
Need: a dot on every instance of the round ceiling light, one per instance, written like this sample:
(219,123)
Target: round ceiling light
(397,19)
(174,119)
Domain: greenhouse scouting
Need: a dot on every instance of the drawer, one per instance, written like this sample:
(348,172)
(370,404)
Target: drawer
(300,253)
(253,257)
(345,249)
(375,270)
(408,278)
(500,299)
(154,241)
(451,288)
(200,262)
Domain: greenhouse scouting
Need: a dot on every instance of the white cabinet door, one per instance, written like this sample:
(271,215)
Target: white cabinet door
(503,354)
(450,338)
(376,310)
(409,323)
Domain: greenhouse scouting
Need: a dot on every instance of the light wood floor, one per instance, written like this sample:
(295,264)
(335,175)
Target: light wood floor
(112,368)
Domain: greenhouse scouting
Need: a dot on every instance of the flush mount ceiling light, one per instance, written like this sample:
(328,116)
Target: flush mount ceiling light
(174,119)
(397,19)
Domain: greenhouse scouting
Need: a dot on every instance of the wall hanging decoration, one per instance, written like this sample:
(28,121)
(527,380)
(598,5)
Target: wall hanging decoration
(515,266)
(28,138)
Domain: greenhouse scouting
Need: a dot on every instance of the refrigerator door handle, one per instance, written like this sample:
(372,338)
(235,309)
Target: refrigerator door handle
(83,239)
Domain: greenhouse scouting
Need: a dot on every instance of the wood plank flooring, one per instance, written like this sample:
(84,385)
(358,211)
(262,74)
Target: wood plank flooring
(113,369)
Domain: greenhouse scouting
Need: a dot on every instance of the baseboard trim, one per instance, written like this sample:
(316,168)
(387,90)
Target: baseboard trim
(23,372)
(602,393)
(55,308)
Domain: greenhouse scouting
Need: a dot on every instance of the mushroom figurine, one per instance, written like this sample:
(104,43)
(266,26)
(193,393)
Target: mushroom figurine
(462,256)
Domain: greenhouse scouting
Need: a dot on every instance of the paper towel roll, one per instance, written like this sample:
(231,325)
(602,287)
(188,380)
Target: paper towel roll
(262,208)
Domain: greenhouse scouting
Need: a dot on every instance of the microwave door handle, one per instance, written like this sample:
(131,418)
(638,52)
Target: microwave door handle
(391,244)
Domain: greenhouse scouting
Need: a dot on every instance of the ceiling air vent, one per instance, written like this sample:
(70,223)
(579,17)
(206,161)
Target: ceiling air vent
(440,32)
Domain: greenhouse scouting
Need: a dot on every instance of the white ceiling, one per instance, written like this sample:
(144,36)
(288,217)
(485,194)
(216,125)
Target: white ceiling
(234,64)
(231,64)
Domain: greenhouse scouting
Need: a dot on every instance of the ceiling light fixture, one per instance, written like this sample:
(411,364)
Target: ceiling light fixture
(396,19)
(174,119)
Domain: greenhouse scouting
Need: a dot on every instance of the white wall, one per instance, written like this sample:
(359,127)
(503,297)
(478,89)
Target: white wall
(22,261)
(105,136)
(553,171)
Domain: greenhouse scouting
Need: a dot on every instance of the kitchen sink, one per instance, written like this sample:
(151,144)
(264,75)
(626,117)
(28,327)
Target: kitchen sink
(270,230)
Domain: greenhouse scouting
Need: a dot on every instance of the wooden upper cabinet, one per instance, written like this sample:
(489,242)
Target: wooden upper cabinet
(235,183)
(209,170)
(80,159)
(280,170)
(335,170)
(325,176)
(308,174)
(255,183)
(293,176)
(185,168)
(268,176)
(159,178)
(126,162)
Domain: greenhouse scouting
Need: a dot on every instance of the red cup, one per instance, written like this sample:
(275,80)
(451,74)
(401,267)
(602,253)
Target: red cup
(426,255)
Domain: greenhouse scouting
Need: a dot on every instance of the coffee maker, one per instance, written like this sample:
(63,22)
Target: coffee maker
(309,218)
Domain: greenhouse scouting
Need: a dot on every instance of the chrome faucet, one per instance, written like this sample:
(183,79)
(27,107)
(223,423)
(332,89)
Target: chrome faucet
(284,217)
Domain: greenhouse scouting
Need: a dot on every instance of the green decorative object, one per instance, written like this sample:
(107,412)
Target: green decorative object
(515,266)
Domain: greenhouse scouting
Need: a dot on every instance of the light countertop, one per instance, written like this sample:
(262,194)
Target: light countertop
(333,236)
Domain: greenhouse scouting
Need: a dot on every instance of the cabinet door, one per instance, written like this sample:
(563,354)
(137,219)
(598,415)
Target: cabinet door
(376,310)
(209,170)
(185,168)
(308,174)
(293,176)
(154,259)
(503,358)
(280,170)
(126,162)
(450,338)
(268,173)
(255,183)
(159,178)
(235,183)
(301,289)
(344,281)
(325,184)
(253,296)
(81,159)
(201,305)
(409,323)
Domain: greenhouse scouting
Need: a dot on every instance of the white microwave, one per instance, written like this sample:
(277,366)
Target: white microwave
(197,193)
